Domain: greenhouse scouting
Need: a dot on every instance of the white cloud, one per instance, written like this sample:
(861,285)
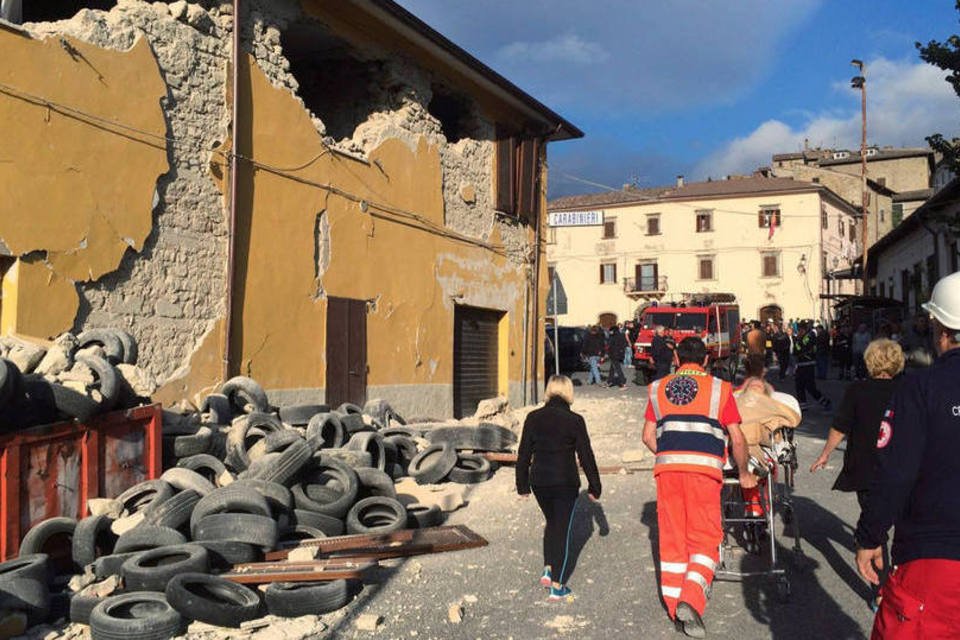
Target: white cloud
(623,57)
(564,48)
(906,101)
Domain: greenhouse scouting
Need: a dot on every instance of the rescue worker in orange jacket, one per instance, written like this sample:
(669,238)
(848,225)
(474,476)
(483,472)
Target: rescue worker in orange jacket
(690,414)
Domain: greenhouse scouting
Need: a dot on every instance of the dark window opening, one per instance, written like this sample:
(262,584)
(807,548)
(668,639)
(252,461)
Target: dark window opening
(454,113)
(653,225)
(704,221)
(51,10)
(336,84)
(609,228)
(897,214)
(705,267)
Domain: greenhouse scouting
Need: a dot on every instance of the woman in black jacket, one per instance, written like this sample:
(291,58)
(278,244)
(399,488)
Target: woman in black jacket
(553,438)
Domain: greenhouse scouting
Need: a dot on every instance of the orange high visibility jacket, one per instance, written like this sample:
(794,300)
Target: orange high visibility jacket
(692,409)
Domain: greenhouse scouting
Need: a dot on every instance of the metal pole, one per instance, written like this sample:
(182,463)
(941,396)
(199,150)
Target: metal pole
(556,325)
(863,175)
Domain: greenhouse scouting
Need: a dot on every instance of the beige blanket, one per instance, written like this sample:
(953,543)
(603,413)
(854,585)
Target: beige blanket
(761,415)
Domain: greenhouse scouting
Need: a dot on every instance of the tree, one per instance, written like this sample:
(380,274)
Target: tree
(946,56)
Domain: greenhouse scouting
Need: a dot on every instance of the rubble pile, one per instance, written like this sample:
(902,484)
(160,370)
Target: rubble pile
(72,377)
(244,480)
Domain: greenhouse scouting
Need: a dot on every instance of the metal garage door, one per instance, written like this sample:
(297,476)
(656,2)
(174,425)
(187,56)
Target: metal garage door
(475,354)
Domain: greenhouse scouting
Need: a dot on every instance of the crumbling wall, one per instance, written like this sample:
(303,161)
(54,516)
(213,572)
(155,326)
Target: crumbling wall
(170,293)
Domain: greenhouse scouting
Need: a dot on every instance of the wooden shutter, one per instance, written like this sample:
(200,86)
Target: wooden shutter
(506,175)
(527,179)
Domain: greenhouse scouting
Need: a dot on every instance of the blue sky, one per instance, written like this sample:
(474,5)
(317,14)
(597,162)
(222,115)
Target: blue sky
(708,88)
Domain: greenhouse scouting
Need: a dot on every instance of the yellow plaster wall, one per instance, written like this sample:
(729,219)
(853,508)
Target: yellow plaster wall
(411,276)
(74,184)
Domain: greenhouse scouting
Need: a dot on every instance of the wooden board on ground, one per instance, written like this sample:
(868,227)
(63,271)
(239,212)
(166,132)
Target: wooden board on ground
(511,458)
(314,571)
(399,544)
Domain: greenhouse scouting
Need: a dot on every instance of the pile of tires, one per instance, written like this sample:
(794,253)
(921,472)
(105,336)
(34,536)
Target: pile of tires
(243,478)
(75,377)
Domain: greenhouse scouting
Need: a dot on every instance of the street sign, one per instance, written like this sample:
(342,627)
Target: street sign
(575,218)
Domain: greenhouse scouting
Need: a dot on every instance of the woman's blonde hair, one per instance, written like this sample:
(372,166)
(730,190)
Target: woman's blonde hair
(883,356)
(560,387)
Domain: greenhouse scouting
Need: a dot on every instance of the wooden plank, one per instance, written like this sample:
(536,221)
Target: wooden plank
(502,458)
(316,571)
(399,544)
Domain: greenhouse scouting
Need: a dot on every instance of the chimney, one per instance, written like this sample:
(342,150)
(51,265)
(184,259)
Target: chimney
(679,181)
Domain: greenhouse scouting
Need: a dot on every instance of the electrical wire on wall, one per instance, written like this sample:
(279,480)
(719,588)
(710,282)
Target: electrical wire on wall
(376,209)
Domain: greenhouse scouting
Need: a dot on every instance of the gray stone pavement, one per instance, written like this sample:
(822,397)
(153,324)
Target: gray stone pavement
(614,571)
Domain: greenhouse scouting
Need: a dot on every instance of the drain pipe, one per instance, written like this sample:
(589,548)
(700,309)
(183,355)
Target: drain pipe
(232,223)
(541,211)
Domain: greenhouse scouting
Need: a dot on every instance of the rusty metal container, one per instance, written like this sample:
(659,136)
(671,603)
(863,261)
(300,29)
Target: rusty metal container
(52,470)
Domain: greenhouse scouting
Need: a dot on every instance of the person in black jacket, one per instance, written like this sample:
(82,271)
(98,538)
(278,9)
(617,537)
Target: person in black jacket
(617,345)
(554,437)
(858,420)
(914,489)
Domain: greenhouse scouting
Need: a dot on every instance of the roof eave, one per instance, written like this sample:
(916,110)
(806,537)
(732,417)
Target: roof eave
(417,31)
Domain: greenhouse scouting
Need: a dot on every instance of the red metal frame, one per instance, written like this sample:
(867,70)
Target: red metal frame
(52,470)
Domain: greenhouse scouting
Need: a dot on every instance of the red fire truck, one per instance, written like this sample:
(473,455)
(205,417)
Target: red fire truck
(714,318)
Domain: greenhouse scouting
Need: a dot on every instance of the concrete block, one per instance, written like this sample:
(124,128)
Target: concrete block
(455,613)
(303,554)
(368,622)
(105,506)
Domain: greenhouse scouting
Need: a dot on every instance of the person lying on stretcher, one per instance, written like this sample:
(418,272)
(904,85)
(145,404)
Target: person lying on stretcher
(763,411)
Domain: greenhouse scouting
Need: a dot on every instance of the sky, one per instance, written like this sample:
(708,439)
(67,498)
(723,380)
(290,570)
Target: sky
(709,88)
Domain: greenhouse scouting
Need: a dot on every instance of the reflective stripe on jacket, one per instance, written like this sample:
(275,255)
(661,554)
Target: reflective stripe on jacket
(690,436)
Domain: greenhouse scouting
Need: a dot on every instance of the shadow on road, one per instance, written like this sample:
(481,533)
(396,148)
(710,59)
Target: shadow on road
(811,612)
(586,514)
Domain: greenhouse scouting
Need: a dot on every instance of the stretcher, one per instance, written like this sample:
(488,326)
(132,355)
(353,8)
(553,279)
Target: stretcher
(752,525)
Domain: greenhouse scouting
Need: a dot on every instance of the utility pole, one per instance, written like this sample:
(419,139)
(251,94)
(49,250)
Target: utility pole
(860,82)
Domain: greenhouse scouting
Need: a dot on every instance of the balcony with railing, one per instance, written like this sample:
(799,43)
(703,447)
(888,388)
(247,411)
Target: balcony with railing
(652,287)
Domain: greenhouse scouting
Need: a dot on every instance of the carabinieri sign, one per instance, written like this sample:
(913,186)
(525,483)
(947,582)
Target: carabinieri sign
(575,218)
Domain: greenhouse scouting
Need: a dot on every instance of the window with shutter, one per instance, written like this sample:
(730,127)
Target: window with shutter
(823,218)
(506,175)
(609,228)
(704,220)
(769,214)
(653,225)
(608,273)
(705,264)
(527,179)
(770,264)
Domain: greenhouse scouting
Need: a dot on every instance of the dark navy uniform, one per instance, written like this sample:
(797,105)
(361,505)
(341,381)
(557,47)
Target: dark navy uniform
(917,490)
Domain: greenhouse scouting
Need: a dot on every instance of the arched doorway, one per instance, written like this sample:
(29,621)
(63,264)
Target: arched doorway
(607,320)
(771,312)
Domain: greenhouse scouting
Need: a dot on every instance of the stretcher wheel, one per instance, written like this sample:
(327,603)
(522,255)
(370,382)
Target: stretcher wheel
(783,589)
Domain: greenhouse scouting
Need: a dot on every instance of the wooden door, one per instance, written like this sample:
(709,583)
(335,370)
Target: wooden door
(346,351)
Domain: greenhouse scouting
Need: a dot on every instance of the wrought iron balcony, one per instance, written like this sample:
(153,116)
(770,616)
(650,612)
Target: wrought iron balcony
(646,287)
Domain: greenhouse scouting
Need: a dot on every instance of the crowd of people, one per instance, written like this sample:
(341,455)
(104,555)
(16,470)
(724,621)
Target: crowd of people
(901,429)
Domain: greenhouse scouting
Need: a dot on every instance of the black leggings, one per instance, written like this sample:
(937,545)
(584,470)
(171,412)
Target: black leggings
(557,505)
(805,379)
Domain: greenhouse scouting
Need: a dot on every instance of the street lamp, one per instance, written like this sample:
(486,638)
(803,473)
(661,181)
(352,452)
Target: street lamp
(860,82)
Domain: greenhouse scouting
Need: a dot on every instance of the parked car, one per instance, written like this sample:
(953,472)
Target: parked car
(570,341)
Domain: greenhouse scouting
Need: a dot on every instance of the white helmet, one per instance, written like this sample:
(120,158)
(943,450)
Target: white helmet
(944,303)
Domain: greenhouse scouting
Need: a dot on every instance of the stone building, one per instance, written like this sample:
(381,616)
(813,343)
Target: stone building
(640,245)
(908,261)
(346,205)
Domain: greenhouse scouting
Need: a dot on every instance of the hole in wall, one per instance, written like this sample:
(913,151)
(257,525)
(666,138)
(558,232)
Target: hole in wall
(454,113)
(51,10)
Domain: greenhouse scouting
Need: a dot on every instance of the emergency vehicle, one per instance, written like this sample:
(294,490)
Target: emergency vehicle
(714,318)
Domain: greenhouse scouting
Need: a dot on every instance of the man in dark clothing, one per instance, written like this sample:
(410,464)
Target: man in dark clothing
(805,351)
(823,352)
(593,349)
(661,349)
(842,351)
(915,490)
(781,345)
(617,345)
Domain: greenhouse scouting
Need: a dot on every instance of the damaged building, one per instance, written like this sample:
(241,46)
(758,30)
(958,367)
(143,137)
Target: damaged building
(333,199)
